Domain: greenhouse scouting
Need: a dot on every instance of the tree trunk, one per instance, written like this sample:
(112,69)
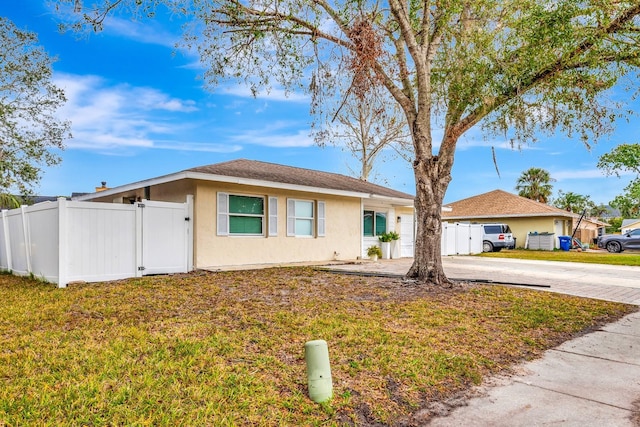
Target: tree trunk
(432,179)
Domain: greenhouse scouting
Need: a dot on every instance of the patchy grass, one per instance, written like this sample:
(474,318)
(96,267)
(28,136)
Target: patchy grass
(599,257)
(225,349)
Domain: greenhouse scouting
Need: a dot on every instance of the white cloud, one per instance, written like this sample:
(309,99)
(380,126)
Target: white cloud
(197,146)
(107,117)
(467,143)
(91,141)
(278,135)
(273,94)
(148,33)
(151,99)
(151,31)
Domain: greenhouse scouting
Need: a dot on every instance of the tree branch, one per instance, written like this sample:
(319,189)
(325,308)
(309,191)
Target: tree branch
(564,63)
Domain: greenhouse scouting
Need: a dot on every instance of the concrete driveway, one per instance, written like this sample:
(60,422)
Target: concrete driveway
(607,282)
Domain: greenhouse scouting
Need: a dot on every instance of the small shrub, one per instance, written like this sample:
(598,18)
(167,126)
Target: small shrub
(374,250)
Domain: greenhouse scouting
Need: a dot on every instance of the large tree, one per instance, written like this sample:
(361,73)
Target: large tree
(624,158)
(573,202)
(512,67)
(368,125)
(535,184)
(30,131)
(628,203)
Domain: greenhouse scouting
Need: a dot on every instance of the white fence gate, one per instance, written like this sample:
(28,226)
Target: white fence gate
(167,251)
(461,239)
(67,241)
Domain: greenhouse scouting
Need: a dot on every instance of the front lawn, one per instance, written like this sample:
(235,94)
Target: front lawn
(591,257)
(227,348)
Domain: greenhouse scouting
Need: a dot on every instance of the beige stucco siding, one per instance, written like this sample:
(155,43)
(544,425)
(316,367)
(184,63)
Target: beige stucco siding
(343,224)
(341,240)
(404,210)
(523,226)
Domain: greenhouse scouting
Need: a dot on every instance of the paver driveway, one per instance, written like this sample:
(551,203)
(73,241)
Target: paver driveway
(607,282)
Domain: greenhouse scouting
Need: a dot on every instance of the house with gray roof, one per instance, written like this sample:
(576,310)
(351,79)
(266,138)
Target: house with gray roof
(248,212)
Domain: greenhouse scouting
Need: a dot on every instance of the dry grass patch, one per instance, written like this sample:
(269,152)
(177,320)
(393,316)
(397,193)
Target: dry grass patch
(227,348)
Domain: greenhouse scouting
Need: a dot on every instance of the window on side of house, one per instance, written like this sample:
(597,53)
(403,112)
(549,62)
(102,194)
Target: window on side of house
(240,215)
(374,223)
(300,218)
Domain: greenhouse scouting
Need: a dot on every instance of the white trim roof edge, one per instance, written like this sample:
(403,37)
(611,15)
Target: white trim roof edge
(236,180)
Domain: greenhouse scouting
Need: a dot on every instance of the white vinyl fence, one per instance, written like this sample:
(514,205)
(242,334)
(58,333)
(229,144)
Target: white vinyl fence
(67,241)
(461,239)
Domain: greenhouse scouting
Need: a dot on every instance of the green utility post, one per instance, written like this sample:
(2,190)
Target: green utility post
(316,354)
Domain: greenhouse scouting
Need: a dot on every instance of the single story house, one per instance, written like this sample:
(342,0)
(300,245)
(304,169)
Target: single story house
(250,212)
(629,224)
(523,215)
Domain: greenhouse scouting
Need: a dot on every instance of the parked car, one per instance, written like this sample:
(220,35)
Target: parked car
(496,236)
(620,242)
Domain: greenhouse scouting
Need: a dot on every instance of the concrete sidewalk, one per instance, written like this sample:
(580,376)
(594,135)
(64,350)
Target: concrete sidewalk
(593,380)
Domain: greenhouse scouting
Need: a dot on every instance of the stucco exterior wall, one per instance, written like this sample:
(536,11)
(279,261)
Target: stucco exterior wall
(341,241)
(343,221)
(404,210)
(523,226)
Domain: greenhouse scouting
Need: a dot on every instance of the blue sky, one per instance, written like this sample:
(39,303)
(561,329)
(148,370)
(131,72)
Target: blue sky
(138,110)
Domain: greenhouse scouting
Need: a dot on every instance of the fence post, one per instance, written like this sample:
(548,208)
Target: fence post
(190,232)
(63,243)
(7,239)
(26,237)
(139,238)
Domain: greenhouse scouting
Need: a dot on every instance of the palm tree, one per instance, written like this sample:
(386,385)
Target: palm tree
(534,184)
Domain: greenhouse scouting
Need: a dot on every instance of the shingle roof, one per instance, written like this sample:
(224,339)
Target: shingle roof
(271,172)
(499,203)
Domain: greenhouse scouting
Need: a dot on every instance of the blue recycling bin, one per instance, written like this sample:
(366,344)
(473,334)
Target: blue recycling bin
(565,242)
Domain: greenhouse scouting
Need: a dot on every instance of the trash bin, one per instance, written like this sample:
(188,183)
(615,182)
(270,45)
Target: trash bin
(565,242)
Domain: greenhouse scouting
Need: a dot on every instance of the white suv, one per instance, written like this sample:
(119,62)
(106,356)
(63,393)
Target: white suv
(496,236)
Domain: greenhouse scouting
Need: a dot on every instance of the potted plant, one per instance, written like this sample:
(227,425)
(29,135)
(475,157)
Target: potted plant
(374,252)
(394,244)
(385,245)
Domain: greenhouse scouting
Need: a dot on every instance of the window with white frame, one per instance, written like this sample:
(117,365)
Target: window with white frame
(240,215)
(305,218)
(374,223)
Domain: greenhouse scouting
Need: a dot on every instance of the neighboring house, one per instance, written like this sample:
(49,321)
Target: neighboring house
(629,224)
(589,229)
(250,212)
(523,215)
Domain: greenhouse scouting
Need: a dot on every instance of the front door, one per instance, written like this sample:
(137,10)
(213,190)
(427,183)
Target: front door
(407,236)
